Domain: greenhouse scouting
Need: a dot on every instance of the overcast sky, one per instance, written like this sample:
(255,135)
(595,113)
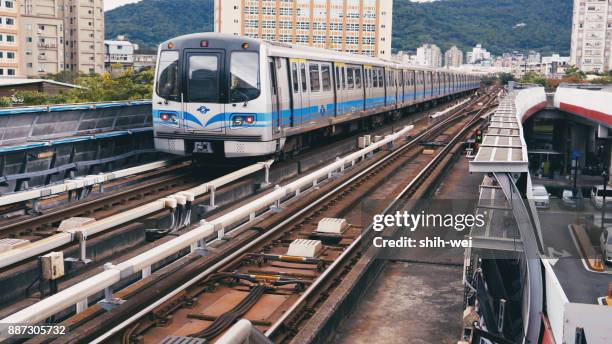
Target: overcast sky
(110,4)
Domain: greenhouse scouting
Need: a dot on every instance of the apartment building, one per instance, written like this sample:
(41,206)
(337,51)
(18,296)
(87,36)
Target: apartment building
(62,35)
(354,26)
(478,54)
(429,55)
(10,49)
(119,54)
(453,57)
(143,61)
(592,35)
(42,37)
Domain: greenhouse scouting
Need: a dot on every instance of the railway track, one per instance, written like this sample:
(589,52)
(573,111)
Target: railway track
(40,226)
(47,231)
(251,276)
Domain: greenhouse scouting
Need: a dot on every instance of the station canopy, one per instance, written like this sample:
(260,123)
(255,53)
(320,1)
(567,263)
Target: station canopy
(503,148)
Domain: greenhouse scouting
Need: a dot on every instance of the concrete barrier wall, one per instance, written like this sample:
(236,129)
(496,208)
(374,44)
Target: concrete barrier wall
(20,125)
(594,105)
(555,301)
(594,319)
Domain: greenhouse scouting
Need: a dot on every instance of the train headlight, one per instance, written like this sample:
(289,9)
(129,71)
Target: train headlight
(238,121)
(243,120)
(168,117)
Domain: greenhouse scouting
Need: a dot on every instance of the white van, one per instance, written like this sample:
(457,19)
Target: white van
(541,197)
(597,193)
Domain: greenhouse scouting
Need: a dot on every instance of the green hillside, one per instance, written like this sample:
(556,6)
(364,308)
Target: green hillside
(500,25)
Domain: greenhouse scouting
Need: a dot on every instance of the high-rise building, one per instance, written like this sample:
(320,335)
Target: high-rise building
(42,37)
(478,54)
(10,48)
(453,57)
(62,35)
(534,57)
(592,35)
(429,55)
(354,26)
(84,35)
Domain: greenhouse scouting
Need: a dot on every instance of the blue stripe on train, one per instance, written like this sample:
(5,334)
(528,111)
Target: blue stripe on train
(306,113)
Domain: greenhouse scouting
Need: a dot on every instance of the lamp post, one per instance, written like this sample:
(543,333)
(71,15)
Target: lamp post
(606,178)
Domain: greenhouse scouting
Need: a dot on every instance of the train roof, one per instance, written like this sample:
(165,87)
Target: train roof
(298,51)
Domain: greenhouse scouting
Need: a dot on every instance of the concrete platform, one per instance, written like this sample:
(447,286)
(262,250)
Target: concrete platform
(414,302)
(410,303)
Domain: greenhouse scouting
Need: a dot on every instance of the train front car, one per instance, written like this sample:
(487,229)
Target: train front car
(210,98)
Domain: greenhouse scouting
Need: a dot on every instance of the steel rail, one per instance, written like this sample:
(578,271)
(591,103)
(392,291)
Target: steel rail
(425,172)
(111,332)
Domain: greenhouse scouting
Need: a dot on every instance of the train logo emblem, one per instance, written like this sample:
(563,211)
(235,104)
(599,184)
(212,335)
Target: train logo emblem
(203,110)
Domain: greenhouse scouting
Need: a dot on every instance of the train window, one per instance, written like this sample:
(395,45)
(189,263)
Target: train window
(203,78)
(350,78)
(294,77)
(357,78)
(381,78)
(303,76)
(315,78)
(375,78)
(167,79)
(273,77)
(343,77)
(338,82)
(245,84)
(326,78)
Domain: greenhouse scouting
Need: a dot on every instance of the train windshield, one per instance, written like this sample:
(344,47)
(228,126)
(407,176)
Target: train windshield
(203,83)
(167,78)
(245,82)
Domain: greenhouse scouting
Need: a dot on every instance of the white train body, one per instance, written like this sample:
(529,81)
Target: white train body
(231,97)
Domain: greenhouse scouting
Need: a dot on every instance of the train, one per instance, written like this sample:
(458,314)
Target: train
(226,96)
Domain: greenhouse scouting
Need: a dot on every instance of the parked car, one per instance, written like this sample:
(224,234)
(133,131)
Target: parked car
(606,245)
(597,193)
(541,197)
(571,199)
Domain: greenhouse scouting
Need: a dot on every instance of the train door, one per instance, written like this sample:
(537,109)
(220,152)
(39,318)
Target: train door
(367,70)
(317,105)
(304,89)
(276,103)
(327,91)
(296,110)
(399,87)
(203,110)
(412,81)
(283,91)
(340,86)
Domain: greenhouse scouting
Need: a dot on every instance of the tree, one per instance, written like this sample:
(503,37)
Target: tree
(129,85)
(505,78)
(534,78)
(575,74)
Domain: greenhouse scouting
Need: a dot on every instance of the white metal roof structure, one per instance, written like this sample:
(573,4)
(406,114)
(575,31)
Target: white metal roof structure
(20,81)
(504,149)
